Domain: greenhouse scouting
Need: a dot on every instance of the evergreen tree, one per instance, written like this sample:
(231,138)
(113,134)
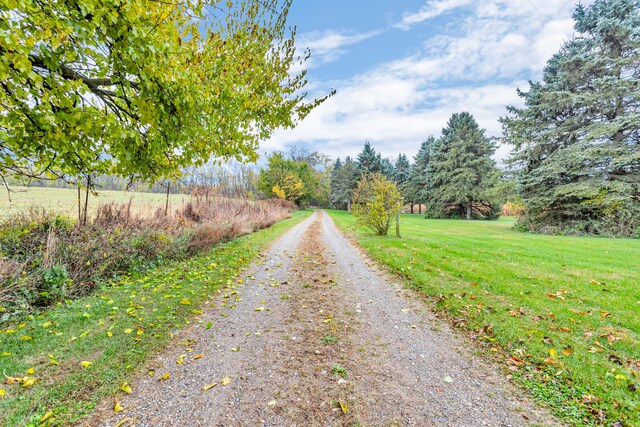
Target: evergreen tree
(577,140)
(333,180)
(416,189)
(402,170)
(461,171)
(345,183)
(368,160)
(402,175)
(387,168)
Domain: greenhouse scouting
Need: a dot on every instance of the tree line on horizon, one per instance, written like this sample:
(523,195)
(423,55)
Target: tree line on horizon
(575,164)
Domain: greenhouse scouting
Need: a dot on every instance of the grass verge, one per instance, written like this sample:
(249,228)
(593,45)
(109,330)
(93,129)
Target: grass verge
(116,330)
(562,313)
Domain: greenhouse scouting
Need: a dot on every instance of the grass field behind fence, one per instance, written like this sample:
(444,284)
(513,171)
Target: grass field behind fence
(64,200)
(562,313)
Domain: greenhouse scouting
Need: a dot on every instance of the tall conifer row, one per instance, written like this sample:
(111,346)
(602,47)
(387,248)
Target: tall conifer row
(577,139)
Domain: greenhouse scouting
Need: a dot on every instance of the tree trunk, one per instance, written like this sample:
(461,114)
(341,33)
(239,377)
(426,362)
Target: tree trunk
(469,209)
(79,206)
(420,208)
(349,206)
(86,201)
(166,204)
(411,207)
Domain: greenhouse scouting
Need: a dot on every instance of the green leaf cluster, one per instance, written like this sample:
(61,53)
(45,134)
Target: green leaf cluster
(142,89)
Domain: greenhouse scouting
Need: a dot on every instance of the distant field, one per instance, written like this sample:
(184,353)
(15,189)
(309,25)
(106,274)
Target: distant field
(64,200)
(562,312)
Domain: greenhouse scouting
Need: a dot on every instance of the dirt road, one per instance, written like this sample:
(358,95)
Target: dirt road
(317,335)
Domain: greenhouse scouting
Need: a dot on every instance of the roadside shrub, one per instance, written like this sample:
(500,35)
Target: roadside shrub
(46,258)
(376,202)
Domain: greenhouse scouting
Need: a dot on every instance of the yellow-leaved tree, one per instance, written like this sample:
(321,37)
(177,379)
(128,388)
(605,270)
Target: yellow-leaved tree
(376,203)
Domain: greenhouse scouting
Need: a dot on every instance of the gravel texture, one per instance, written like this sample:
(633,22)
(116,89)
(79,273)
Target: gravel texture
(315,334)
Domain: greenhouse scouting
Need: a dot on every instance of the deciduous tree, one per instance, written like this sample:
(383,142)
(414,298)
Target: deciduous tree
(142,88)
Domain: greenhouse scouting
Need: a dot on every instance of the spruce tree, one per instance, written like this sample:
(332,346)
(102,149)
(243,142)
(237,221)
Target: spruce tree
(461,171)
(387,168)
(333,180)
(416,190)
(402,175)
(345,183)
(577,140)
(368,160)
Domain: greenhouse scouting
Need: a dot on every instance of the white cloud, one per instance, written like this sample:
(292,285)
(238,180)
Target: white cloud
(327,46)
(432,9)
(399,103)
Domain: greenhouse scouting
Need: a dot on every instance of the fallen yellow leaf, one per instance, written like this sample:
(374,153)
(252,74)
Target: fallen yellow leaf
(85,363)
(344,407)
(235,349)
(151,372)
(225,381)
(209,386)
(117,407)
(165,377)
(2,392)
(46,416)
(29,381)
(198,356)
(128,331)
(125,387)
(30,371)
(259,309)
(121,422)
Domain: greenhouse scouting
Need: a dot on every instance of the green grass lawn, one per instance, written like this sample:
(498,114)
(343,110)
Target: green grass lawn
(562,313)
(64,200)
(116,329)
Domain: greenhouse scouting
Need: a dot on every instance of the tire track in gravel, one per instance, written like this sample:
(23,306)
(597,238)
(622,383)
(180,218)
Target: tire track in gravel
(312,303)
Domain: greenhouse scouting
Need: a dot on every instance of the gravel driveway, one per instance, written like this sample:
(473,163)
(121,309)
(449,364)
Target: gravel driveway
(313,334)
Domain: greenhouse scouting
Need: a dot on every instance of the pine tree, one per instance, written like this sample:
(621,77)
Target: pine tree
(387,168)
(402,170)
(577,140)
(368,160)
(461,171)
(333,180)
(345,183)
(416,190)
(402,175)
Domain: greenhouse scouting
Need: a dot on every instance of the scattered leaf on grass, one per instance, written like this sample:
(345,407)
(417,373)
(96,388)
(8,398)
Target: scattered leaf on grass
(225,381)
(209,386)
(30,371)
(165,377)
(272,403)
(152,372)
(448,379)
(85,363)
(117,408)
(344,407)
(198,356)
(46,416)
(235,349)
(128,331)
(2,392)
(259,309)
(208,325)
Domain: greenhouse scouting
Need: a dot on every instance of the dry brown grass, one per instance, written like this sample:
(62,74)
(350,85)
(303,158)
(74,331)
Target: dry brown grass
(45,257)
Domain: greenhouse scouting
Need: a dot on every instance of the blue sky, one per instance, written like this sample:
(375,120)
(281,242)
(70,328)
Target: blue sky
(401,68)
